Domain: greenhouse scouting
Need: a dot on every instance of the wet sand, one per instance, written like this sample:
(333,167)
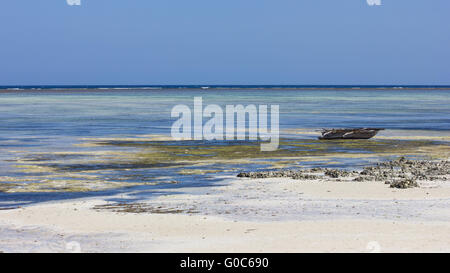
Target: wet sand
(241,215)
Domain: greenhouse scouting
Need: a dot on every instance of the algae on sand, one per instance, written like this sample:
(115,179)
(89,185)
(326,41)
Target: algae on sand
(47,172)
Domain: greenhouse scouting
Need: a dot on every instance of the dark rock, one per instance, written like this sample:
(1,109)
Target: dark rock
(400,173)
(404,184)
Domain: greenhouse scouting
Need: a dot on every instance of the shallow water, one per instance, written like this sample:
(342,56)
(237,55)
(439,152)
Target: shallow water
(47,137)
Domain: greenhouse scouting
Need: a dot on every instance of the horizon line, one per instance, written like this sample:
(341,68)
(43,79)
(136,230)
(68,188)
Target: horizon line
(215,85)
(221,86)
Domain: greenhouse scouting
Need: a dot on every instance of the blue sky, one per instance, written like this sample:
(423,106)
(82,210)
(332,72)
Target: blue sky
(224,42)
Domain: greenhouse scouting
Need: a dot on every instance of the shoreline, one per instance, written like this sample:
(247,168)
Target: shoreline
(241,215)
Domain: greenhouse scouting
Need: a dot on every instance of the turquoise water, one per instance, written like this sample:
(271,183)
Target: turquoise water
(131,112)
(39,121)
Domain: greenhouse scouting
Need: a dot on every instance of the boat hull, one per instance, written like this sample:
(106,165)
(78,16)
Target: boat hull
(360,133)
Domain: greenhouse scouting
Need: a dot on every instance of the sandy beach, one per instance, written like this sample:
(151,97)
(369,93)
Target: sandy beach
(241,215)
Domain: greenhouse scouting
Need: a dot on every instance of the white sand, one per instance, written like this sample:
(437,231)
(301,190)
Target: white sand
(263,215)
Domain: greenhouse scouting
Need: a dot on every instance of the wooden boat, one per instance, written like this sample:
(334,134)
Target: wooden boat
(357,133)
